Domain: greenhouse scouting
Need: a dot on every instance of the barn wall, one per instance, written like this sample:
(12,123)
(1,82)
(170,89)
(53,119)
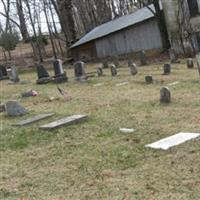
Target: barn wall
(144,36)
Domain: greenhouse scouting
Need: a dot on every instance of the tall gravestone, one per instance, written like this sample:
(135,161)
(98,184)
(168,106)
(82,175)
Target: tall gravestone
(113,70)
(133,67)
(79,71)
(166,69)
(43,75)
(165,95)
(143,58)
(60,74)
(13,74)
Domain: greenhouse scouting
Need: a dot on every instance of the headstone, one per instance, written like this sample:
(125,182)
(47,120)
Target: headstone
(34,119)
(13,74)
(3,73)
(165,95)
(13,108)
(116,61)
(113,70)
(149,79)
(105,64)
(133,67)
(143,58)
(60,75)
(64,121)
(2,108)
(99,71)
(172,141)
(79,71)
(173,56)
(198,62)
(41,71)
(167,69)
(190,63)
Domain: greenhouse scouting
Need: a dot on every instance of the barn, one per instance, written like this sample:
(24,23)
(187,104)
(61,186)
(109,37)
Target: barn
(124,35)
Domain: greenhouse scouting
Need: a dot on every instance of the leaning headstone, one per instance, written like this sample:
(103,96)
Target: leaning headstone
(133,67)
(149,79)
(64,121)
(79,71)
(143,58)
(60,74)
(113,70)
(43,75)
(99,71)
(190,63)
(165,95)
(166,69)
(14,108)
(198,62)
(13,74)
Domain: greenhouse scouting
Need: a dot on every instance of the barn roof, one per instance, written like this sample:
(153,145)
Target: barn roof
(116,25)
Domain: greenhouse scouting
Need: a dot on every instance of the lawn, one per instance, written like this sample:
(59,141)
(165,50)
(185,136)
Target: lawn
(93,160)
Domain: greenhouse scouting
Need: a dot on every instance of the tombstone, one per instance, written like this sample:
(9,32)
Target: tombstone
(99,71)
(167,69)
(60,74)
(173,56)
(105,64)
(13,74)
(79,71)
(190,63)
(149,79)
(198,62)
(2,108)
(165,95)
(3,73)
(116,61)
(143,58)
(113,70)
(43,75)
(133,67)
(13,108)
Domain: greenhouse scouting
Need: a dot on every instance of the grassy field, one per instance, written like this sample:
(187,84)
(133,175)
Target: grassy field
(93,160)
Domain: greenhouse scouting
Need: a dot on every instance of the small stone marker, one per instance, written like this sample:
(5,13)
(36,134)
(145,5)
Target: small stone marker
(99,71)
(167,69)
(79,71)
(2,108)
(126,130)
(60,75)
(64,121)
(149,79)
(121,84)
(143,58)
(105,64)
(34,119)
(165,95)
(13,108)
(13,74)
(174,140)
(133,67)
(113,70)
(190,63)
(174,83)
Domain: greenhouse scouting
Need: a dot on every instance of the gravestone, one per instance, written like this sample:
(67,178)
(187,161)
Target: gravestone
(167,69)
(173,56)
(113,70)
(165,95)
(3,73)
(149,79)
(2,108)
(13,74)
(133,67)
(13,108)
(79,71)
(99,71)
(43,75)
(190,63)
(116,61)
(60,75)
(198,62)
(143,58)
(105,64)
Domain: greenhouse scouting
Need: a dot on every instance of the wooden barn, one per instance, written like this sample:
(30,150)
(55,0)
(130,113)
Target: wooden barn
(124,35)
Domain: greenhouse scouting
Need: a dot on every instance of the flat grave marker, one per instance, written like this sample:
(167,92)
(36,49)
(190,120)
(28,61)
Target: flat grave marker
(123,83)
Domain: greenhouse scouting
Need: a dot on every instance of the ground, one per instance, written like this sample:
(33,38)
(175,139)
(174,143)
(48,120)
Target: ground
(93,160)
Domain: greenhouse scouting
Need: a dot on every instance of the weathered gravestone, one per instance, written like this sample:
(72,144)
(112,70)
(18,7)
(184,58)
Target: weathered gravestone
(166,69)
(99,71)
(149,79)
(165,95)
(133,67)
(79,71)
(43,75)
(143,58)
(190,63)
(113,70)
(198,62)
(2,107)
(13,108)
(60,74)
(3,73)
(13,74)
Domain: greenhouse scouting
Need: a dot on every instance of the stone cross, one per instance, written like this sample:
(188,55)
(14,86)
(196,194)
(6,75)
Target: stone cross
(79,71)
(113,70)
(190,63)
(149,79)
(133,67)
(167,69)
(165,95)
(143,58)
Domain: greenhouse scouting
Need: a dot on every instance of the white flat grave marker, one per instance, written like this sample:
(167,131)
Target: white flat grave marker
(33,119)
(98,84)
(64,121)
(126,130)
(174,83)
(174,140)
(121,84)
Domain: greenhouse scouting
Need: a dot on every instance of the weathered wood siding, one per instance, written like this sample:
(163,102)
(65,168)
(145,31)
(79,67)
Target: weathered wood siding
(143,36)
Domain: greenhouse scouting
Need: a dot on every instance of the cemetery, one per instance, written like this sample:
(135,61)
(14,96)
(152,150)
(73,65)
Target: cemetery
(83,131)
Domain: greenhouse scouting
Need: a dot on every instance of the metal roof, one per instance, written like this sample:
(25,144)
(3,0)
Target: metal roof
(116,25)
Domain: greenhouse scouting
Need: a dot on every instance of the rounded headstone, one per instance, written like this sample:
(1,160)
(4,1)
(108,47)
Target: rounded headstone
(165,95)
(190,63)
(143,58)
(13,108)
(113,70)
(133,67)
(99,71)
(149,79)
(79,71)
(167,69)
